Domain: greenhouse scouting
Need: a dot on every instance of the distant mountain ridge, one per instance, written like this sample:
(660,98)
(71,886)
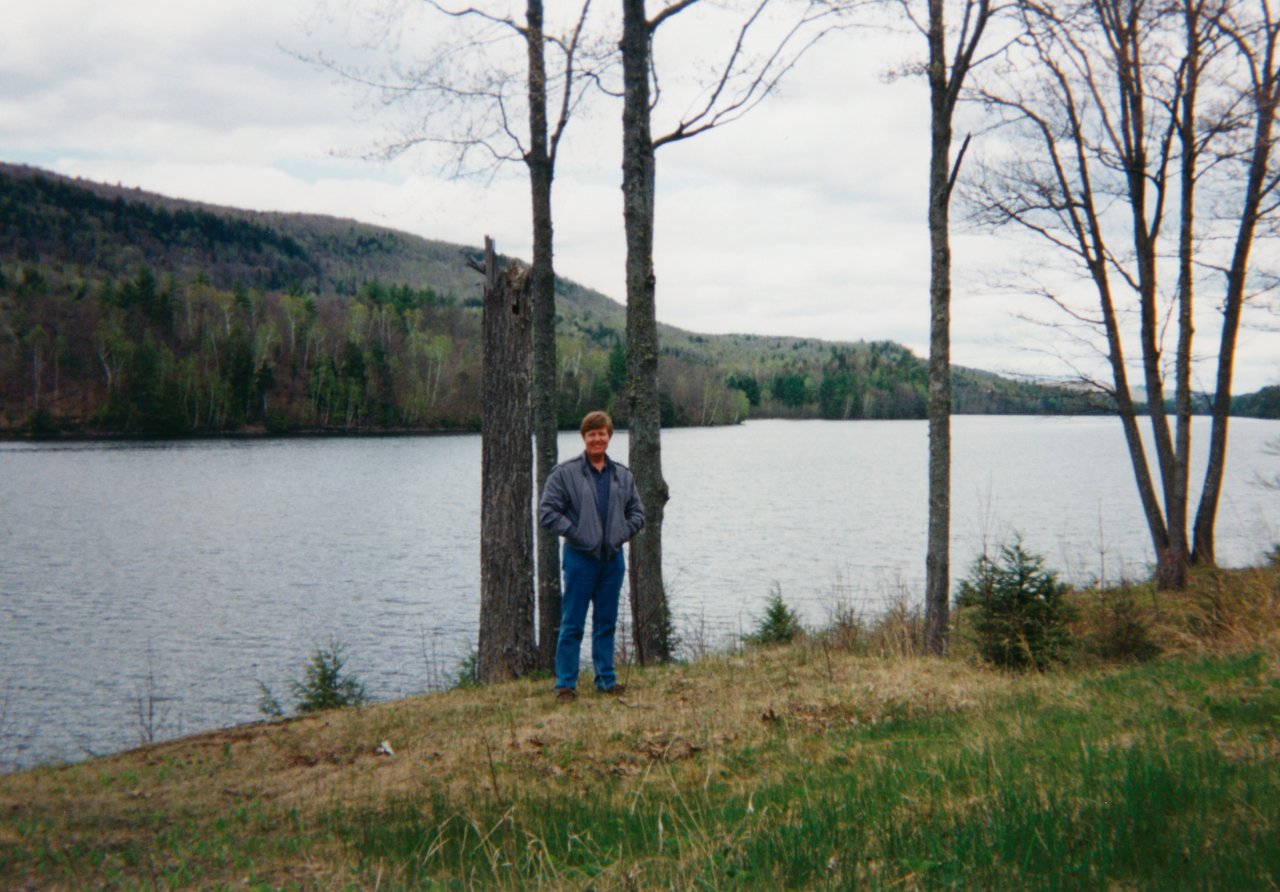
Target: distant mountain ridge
(333,324)
(261,249)
(111,229)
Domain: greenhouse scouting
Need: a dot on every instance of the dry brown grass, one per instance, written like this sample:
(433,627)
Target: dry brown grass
(1220,611)
(493,742)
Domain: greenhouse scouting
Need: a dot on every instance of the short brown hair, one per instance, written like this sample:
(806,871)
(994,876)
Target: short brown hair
(595,420)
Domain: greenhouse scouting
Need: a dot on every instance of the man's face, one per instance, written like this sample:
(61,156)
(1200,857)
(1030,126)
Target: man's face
(597,441)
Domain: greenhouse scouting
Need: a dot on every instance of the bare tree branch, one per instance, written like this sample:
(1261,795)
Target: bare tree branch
(744,84)
(668,12)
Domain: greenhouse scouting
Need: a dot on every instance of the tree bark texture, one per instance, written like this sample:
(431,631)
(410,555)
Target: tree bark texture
(506,537)
(543,289)
(945,81)
(1188,136)
(942,99)
(938,556)
(650,613)
(1147,186)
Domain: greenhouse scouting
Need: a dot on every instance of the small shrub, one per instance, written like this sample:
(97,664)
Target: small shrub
(1123,635)
(1020,610)
(779,625)
(324,684)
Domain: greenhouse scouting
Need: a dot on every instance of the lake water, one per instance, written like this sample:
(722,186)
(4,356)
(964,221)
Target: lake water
(181,574)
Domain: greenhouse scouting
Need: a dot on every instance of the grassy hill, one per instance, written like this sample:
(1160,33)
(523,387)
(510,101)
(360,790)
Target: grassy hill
(122,311)
(842,761)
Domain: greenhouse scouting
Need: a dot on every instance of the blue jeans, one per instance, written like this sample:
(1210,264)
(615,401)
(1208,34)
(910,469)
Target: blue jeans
(588,581)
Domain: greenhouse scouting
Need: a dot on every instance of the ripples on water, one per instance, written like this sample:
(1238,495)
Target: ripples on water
(182,574)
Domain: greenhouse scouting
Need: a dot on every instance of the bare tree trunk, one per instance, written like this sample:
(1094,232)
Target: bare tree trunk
(1178,561)
(1125,24)
(650,613)
(1262,59)
(1122,395)
(742,84)
(506,537)
(938,554)
(543,284)
(946,77)
(1206,513)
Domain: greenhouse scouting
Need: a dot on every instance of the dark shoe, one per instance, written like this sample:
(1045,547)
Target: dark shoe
(616,689)
(566,695)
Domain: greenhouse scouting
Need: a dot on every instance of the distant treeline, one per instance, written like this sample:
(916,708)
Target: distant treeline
(161,356)
(150,354)
(156,355)
(1264,403)
(128,313)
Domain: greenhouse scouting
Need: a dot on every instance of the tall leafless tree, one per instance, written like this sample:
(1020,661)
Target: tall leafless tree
(541,160)
(1095,118)
(1119,111)
(944,92)
(1252,32)
(742,82)
(947,69)
(470,107)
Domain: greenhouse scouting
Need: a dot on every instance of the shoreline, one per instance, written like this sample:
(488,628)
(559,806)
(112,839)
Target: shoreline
(260,432)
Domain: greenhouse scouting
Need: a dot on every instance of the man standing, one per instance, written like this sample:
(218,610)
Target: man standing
(591,501)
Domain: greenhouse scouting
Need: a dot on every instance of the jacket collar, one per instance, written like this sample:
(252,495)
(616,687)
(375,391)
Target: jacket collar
(587,468)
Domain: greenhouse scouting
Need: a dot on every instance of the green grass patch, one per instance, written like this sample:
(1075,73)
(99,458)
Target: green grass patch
(1069,796)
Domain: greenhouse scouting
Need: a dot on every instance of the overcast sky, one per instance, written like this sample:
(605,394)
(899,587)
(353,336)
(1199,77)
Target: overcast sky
(806,218)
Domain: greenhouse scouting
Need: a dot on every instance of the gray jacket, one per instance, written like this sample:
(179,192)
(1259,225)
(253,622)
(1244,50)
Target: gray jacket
(569,508)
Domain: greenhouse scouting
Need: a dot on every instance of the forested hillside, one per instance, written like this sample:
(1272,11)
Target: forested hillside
(123,312)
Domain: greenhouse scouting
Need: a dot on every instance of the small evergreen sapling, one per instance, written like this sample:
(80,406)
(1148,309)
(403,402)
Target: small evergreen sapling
(779,625)
(1020,609)
(324,685)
